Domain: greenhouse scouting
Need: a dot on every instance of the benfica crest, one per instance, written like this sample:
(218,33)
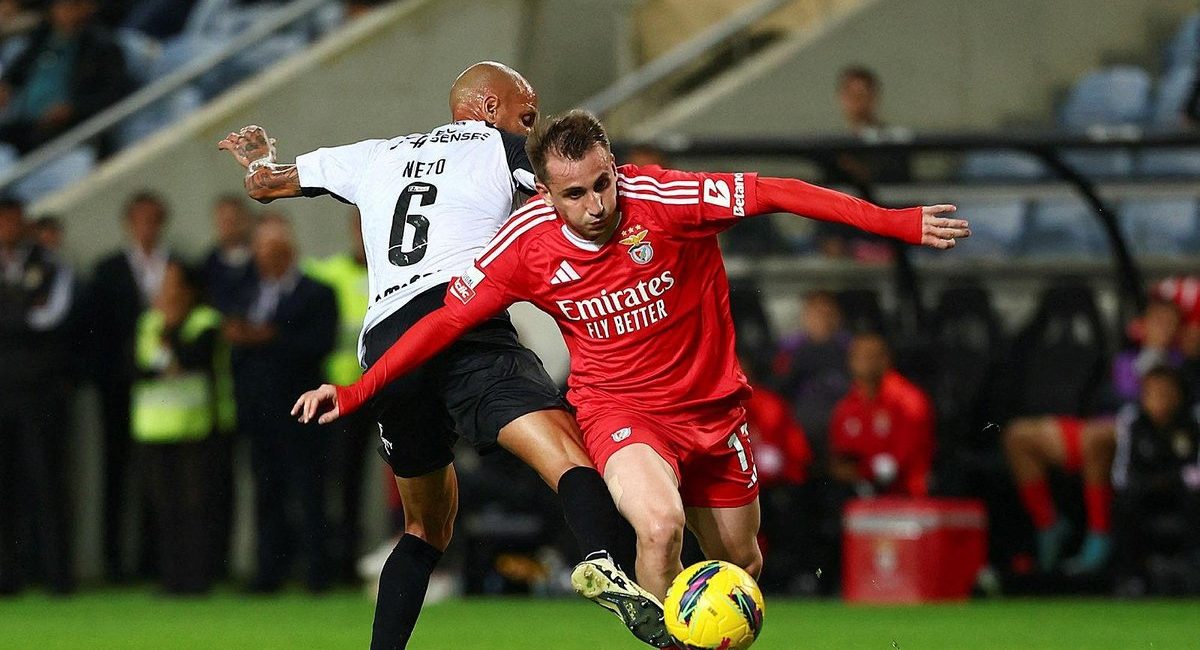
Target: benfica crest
(640,250)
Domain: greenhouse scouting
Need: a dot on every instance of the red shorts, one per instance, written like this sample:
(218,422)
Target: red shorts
(711,456)
(1071,430)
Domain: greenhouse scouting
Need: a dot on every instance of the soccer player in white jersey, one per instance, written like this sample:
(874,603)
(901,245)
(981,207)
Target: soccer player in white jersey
(429,204)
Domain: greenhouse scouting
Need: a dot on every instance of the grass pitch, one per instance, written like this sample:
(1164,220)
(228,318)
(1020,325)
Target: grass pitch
(137,619)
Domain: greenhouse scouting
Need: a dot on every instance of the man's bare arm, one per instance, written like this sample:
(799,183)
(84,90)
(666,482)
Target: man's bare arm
(271,182)
(266,180)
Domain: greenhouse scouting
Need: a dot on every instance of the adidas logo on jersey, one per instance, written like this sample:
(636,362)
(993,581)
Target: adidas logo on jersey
(564,274)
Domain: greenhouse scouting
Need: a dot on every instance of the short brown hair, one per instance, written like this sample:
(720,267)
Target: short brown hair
(569,135)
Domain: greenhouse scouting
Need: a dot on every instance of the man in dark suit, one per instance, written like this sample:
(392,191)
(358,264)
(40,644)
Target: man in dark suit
(287,326)
(36,292)
(123,286)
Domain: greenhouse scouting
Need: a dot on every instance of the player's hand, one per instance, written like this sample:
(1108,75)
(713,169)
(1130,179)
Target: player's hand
(249,144)
(314,401)
(938,231)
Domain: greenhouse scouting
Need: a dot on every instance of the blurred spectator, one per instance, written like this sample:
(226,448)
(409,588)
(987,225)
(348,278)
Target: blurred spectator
(346,274)
(124,284)
(36,292)
(858,94)
(1155,332)
(48,231)
(645,154)
(17,18)
(1157,479)
(158,19)
(174,414)
(810,368)
(882,431)
(781,459)
(1035,444)
(287,324)
(71,70)
(1184,291)
(1085,446)
(357,8)
(228,268)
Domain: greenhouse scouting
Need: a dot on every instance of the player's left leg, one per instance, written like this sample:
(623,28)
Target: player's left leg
(1098,444)
(729,534)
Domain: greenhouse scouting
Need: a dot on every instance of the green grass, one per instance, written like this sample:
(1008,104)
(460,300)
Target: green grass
(135,619)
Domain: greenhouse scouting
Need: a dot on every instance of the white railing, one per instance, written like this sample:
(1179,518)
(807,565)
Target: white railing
(679,58)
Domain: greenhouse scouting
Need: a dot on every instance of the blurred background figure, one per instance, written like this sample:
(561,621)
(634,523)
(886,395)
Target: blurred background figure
(70,70)
(124,284)
(282,332)
(810,368)
(174,416)
(36,296)
(229,268)
(348,461)
(48,232)
(881,433)
(790,513)
(1157,479)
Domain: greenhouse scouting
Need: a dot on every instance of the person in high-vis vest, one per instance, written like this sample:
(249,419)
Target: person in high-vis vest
(346,274)
(176,410)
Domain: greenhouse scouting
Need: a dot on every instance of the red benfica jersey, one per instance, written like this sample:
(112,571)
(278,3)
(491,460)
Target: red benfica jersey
(898,422)
(645,315)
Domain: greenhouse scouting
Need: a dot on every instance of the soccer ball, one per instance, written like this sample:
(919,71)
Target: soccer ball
(714,605)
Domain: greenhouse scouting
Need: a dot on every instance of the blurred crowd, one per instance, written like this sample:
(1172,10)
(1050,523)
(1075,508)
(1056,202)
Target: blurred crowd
(1092,475)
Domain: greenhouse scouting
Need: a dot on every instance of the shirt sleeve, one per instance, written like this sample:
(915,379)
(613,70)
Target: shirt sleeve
(336,170)
(691,204)
(518,162)
(701,204)
(482,292)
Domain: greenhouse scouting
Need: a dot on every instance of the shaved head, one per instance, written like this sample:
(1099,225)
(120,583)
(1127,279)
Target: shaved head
(494,92)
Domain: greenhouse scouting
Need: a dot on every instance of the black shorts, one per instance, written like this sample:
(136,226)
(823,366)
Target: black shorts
(472,389)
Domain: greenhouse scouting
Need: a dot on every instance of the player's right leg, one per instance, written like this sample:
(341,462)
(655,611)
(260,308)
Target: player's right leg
(548,440)
(1032,445)
(646,491)
(1098,442)
(729,534)
(430,504)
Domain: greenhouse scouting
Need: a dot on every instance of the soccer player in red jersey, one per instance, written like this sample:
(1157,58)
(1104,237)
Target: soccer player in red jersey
(626,261)
(882,430)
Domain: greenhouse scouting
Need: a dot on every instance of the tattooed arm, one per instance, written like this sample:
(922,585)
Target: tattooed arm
(266,180)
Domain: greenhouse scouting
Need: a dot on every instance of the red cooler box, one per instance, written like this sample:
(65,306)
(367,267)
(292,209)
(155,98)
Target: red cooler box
(898,550)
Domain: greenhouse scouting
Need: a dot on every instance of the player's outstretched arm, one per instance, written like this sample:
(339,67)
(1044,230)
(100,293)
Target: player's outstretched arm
(266,180)
(432,334)
(927,226)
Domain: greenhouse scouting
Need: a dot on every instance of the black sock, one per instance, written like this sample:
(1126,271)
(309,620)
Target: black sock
(402,586)
(590,511)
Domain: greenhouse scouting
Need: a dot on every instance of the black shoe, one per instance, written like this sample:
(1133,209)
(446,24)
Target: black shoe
(600,580)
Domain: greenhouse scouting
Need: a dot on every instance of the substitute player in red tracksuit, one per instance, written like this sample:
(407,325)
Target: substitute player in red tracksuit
(626,261)
(881,434)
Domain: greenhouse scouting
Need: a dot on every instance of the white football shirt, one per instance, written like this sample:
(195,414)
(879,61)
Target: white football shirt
(429,202)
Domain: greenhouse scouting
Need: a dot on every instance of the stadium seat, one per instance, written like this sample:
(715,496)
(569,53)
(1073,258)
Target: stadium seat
(969,341)
(1165,115)
(996,227)
(67,169)
(1100,164)
(1002,165)
(1058,360)
(1161,226)
(1112,96)
(1062,227)
(1184,46)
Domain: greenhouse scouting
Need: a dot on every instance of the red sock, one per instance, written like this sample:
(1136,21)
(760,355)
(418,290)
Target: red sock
(1097,500)
(1036,497)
